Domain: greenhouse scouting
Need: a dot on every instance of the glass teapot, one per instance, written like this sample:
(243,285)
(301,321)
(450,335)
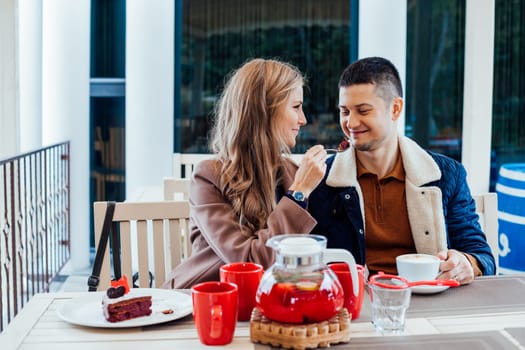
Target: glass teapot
(299,288)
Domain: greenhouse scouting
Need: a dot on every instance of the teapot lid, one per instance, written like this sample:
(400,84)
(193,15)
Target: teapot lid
(299,246)
(298,249)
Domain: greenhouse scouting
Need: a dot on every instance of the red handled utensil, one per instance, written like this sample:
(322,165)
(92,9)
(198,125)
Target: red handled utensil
(402,283)
(448,283)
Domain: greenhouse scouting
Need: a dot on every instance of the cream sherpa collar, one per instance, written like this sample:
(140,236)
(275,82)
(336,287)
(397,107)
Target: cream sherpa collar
(420,167)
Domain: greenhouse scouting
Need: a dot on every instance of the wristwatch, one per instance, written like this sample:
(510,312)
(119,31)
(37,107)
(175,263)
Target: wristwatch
(298,197)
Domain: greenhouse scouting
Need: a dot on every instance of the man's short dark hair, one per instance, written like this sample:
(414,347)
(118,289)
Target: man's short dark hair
(374,70)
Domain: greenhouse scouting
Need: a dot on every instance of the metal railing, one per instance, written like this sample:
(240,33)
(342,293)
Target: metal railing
(34,224)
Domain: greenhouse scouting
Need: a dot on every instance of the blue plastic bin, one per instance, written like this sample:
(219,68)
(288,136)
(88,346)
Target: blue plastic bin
(511,217)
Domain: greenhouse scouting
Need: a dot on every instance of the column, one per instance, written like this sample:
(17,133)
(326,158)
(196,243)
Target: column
(477,93)
(8,79)
(382,32)
(65,105)
(149,92)
(30,73)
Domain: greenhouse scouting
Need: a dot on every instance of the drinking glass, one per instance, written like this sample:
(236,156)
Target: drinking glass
(390,301)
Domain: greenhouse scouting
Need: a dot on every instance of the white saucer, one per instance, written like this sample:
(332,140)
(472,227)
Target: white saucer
(429,289)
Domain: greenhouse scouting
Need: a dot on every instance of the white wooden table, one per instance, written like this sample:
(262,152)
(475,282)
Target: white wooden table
(38,326)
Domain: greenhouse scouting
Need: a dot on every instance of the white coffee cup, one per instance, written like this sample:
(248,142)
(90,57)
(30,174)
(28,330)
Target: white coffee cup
(418,267)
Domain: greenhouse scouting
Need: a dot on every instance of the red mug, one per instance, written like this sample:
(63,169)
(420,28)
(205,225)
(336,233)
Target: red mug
(215,311)
(246,275)
(352,303)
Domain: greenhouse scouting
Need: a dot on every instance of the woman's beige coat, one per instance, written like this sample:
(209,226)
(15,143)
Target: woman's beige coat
(216,236)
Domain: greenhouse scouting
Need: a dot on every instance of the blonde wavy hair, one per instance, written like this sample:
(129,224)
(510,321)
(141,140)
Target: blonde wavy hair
(246,137)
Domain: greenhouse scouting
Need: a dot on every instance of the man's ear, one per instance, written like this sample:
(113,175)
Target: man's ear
(397,107)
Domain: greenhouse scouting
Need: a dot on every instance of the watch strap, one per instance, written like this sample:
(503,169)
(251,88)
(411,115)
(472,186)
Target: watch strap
(303,204)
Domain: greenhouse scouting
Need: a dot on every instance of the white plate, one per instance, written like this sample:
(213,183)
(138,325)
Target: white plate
(429,289)
(87,310)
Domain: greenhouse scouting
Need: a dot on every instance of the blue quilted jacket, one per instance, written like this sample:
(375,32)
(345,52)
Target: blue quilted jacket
(440,207)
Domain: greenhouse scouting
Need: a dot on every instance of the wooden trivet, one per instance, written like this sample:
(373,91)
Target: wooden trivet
(300,336)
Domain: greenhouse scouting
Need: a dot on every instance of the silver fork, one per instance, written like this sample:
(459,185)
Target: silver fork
(334,150)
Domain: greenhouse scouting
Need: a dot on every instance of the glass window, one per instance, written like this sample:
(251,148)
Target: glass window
(108,38)
(434,84)
(508,125)
(107,103)
(108,151)
(219,35)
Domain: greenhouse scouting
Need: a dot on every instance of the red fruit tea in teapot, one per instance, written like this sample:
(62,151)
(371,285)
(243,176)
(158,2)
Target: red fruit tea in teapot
(299,288)
(306,300)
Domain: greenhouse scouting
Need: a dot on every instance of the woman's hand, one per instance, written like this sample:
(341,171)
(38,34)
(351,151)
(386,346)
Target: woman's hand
(455,266)
(311,171)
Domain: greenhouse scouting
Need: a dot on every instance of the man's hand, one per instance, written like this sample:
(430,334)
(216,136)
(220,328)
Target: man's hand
(455,266)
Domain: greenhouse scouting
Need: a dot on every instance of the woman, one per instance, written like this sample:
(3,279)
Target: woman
(249,191)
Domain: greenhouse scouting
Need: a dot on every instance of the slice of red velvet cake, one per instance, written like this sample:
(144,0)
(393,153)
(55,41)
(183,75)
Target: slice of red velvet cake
(120,305)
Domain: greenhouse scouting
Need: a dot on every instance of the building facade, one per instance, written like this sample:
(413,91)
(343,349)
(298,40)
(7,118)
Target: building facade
(146,74)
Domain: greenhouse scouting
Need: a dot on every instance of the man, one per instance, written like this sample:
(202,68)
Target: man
(386,196)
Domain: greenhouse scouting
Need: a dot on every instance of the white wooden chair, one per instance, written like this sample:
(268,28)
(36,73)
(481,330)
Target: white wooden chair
(185,162)
(175,188)
(158,227)
(487,209)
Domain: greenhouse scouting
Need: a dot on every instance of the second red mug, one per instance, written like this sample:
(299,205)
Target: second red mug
(246,275)
(352,303)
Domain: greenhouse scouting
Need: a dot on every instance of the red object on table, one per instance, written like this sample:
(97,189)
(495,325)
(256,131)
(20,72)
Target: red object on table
(215,311)
(301,302)
(246,275)
(122,281)
(353,303)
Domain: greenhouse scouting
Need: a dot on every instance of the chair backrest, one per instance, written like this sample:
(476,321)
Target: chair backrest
(175,188)
(487,209)
(159,229)
(184,163)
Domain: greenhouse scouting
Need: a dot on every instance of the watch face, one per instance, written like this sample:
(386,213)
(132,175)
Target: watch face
(299,196)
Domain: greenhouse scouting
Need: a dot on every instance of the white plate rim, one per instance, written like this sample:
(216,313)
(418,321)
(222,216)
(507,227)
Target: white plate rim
(429,289)
(86,310)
